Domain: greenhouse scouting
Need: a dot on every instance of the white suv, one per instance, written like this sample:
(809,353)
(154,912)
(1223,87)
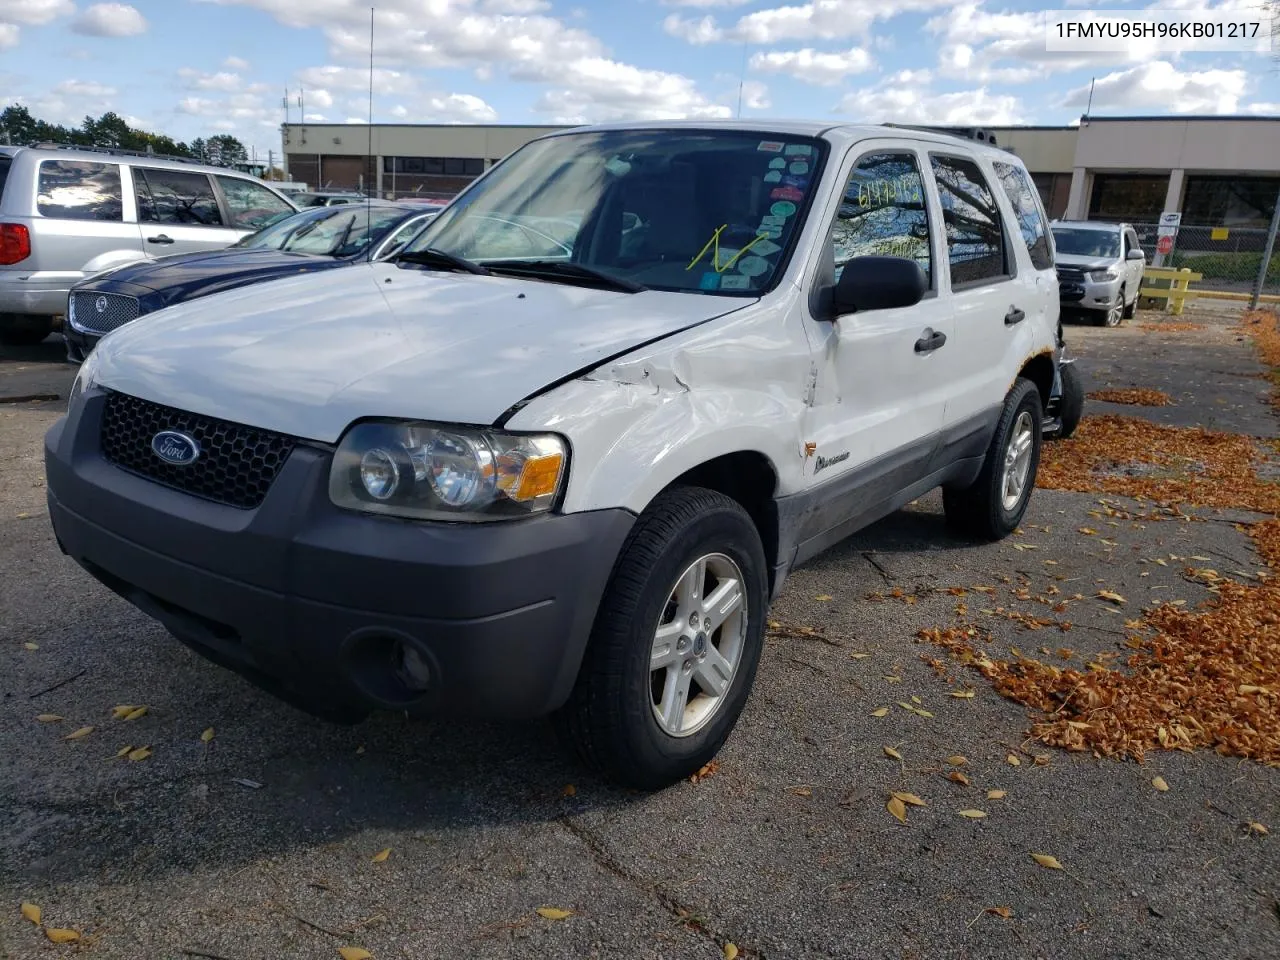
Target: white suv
(492,477)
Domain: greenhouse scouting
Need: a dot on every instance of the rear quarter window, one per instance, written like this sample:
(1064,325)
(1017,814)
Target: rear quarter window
(4,174)
(79,190)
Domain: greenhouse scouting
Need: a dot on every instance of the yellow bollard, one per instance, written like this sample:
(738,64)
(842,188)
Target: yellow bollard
(1176,288)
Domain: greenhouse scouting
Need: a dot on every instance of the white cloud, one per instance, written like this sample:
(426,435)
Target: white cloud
(456,108)
(1263,109)
(110,20)
(823,19)
(356,78)
(907,97)
(703,4)
(34,12)
(83,88)
(318,96)
(696,32)
(813,66)
(236,63)
(755,95)
(515,6)
(314,118)
(597,89)
(399,111)
(8,35)
(226,82)
(580,77)
(1161,85)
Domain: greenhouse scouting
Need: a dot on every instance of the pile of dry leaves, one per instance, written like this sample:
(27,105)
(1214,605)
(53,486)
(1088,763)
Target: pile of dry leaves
(1169,326)
(1197,678)
(1132,457)
(1141,397)
(1263,326)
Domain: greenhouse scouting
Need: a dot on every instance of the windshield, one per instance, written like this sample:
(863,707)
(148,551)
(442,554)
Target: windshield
(1081,242)
(691,211)
(342,231)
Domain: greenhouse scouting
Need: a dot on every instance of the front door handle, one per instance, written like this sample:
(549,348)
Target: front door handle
(1014,316)
(930,341)
(160,238)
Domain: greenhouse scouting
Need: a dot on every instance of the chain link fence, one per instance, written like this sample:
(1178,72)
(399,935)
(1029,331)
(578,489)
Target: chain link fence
(1227,258)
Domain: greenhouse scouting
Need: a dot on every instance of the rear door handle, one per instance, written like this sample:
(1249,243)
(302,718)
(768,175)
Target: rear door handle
(930,341)
(1014,316)
(160,238)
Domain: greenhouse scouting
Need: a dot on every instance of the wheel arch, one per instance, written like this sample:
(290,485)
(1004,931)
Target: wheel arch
(1040,371)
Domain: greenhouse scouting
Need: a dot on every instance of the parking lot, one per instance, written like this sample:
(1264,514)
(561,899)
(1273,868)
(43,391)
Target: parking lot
(248,830)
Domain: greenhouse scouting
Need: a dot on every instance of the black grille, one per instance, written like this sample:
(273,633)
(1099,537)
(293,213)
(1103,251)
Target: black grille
(117,310)
(1070,274)
(236,465)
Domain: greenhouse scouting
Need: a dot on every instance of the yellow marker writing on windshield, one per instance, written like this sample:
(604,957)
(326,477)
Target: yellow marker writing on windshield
(715,257)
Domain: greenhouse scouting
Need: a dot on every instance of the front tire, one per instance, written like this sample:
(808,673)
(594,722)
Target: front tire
(24,330)
(1114,313)
(993,505)
(676,643)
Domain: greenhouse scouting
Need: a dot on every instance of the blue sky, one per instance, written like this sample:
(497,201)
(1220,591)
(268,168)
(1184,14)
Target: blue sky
(197,67)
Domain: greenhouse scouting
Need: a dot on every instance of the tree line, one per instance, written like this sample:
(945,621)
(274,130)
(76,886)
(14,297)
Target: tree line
(18,126)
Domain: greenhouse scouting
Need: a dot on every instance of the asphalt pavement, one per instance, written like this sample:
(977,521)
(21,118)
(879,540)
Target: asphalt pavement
(264,841)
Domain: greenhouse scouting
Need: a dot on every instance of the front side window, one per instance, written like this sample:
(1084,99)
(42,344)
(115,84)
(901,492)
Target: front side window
(175,196)
(713,212)
(975,235)
(250,205)
(1087,242)
(883,213)
(80,190)
(341,231)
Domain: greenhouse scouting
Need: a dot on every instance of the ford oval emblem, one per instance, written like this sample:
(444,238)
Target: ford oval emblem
(175,448)
(100,304)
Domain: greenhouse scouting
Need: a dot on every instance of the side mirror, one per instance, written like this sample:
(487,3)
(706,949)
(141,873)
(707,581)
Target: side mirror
(879,283)
(1136,254)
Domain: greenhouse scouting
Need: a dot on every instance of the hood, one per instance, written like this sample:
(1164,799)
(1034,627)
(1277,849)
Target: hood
(185,276)
(308,355)
(1085,262)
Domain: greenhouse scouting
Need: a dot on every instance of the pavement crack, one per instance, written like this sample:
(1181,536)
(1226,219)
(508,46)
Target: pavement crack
(866,555)
(692,920)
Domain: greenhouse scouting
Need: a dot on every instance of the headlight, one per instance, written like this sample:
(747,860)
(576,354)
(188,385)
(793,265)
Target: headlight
(1102,276)
(436,472)
(71,308)
(85,377)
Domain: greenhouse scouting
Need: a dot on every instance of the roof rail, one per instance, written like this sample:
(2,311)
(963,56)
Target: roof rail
(115,151)
(979,134)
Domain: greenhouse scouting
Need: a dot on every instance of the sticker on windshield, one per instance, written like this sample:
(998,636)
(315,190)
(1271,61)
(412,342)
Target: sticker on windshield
(800,166)
(734,281)
(786,193)
(771,146)
(799,150)
(710,281)
(772,220)
(783,209)
(765,248)
(773,176)
(777,163)
(753,266)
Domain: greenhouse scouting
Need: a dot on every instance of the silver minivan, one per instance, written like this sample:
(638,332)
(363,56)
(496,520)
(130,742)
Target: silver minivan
(67,213)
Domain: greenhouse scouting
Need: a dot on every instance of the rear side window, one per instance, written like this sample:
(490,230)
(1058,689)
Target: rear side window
(250,205)
(883,213)
(1022,197)
(175,196)
(4,174)
(975,235)
(79,190)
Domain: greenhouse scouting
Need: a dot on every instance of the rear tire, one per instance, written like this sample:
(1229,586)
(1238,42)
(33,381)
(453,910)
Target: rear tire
(1071,405)
(623,709)
(23,330)
(993,505)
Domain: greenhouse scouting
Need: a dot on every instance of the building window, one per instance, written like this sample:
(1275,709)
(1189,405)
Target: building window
(1229,201)
(434,166)
(1137,198)
(1054,190)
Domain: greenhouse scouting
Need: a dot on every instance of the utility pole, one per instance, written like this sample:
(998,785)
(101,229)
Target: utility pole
(1261,282)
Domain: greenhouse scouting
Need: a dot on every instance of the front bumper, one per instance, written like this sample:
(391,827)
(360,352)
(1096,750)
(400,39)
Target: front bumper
(300,597)
(1088,294)
(78,343)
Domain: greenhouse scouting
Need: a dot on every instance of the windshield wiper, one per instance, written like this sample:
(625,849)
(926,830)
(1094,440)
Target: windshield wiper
(564,269)
(431,257)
